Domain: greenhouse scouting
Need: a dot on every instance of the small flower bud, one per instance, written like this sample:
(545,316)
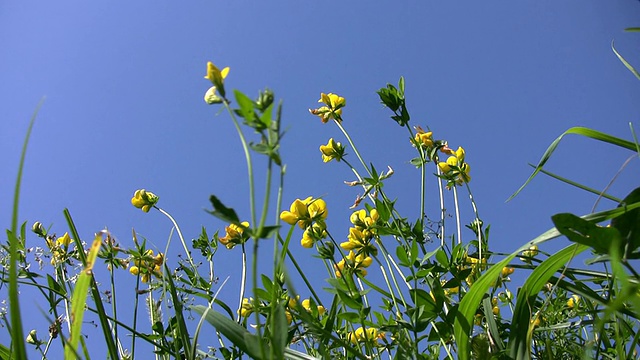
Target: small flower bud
(38,229)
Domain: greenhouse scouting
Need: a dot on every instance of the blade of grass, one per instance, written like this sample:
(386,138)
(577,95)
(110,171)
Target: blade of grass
(19,351)
(578,185)
(179,310)
(626,64)
(586,132)
(97,298)
(519,342)
(79,299)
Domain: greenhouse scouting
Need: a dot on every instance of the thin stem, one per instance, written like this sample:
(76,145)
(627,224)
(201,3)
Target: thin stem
(457,208)
(247,155)
(443,210)
(243,280)
(353,146)
(184,244)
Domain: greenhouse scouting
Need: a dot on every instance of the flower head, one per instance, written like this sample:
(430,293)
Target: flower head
(234,235)
(305,212)
(332,109)
(216,76)
(333,150)
(144,200)
(455,170)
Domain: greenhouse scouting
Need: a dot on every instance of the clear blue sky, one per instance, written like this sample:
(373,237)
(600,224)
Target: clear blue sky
(124,109)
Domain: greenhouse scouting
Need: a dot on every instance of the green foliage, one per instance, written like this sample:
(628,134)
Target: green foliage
(407,286)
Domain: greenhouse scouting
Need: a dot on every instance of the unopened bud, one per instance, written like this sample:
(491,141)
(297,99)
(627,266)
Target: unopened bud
(38,229)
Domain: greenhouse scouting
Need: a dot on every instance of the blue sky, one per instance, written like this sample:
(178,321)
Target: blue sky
(124,110)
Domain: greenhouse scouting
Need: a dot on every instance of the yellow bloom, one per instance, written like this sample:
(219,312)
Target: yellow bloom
(353,262)
(64,240)
(333,150)
(362,335)
(247,307)
(293,302)
(289,317)
(234,235)
(307,241)
(506,271)
(216,76)
(333,109)
(134,270)
(573,301)
(306,304)
(444,167)
(425,139)
(305,212)
(211,96)
(144,200)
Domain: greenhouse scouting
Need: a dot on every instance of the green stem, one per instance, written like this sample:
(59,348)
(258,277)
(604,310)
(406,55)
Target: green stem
(247,156)
(353,146)
(184,244)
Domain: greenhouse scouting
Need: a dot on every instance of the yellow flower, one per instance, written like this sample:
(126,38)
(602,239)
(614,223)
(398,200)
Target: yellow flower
(247,307)
(134,270)
(353,262)
(333,109)
(64,240)
(444,167)
(333,150)
(234,235)
(573,301)
(305,212)
(289,317)
(424,139)
(293,302)
(362,335)
(506,271)
(216,76)
(144,200)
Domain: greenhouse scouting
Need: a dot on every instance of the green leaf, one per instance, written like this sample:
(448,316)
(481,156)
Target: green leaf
(350,301)
(582,131)
(246,106)
(632,29)
(79,300)
(626,64)
(222,212)
(279,331)
(628,224)
(238,335)
(403,258)
(586,233)
(424,300)
(519,344)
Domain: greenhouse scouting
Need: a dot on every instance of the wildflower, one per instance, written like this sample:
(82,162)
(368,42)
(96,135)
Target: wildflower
(354,263)
(333,108)
(247,307)
(144,200)
(64,240)
(333,150)
(424,139)
(216,76)
(362,335)
(573,301)
(146,265)
(307,303)
(506,271)
(530,253)
(234,235)
(288,316)
(293,302)
(312,234)
(305,212)
(455,169)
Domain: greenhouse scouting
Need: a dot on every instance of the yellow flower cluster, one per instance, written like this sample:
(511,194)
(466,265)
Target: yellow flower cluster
(455,169)
(147,265)
(310,215)
(59,248)
(353,263)
(333,150)
(332,109)
(363,335)
(247,307)
(216,76)
(144,200)
(361,234)
(234,235)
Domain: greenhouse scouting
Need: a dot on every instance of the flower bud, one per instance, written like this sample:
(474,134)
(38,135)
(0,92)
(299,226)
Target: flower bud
(265,99)
(38,229)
